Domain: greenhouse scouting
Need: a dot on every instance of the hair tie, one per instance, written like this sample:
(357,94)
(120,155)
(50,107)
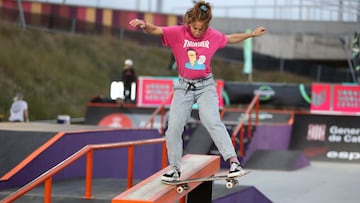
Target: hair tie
(203,8)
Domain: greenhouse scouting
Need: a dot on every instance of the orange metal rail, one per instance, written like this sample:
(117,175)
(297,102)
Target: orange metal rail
(240,128)
(88,150)
(161,110)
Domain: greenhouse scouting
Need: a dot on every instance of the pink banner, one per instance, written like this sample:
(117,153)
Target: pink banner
(347,98)
(335,98)
(320,97)
(152,91)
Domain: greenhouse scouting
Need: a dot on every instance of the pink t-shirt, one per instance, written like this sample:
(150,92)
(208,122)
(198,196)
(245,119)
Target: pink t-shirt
(193,55)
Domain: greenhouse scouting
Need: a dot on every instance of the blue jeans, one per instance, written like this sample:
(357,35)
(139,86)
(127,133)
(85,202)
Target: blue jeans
(186,93)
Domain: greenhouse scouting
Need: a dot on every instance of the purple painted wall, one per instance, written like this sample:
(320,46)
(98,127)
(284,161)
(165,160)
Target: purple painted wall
(275,137)
(248,195)
(107,163)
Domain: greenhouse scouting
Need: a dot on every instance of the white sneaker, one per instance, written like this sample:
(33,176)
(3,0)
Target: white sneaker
(235,170)
(172,175)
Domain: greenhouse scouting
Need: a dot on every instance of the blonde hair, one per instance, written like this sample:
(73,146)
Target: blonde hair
(200,12)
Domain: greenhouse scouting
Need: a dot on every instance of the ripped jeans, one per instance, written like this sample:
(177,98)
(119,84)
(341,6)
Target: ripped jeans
(186,93)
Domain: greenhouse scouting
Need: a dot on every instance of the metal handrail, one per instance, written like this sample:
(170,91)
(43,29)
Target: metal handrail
(240,128)
(87,150)
(161,110)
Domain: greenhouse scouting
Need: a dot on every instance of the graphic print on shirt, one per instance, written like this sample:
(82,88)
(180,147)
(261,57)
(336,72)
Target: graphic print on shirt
(195,62)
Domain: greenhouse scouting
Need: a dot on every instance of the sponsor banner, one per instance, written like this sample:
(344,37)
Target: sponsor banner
(117,120)
(154,91)
(112,115)
(347,98)
(320,97)
(274,94)
(327,137)
(233,117)
(135,120)
(335,99)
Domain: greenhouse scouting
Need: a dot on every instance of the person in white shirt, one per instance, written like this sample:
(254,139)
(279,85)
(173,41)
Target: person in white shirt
(19,110)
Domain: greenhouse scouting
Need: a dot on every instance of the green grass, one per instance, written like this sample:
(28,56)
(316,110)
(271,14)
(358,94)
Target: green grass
(58,73)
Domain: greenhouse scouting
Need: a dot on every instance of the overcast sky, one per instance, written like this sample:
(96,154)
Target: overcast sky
(167,5)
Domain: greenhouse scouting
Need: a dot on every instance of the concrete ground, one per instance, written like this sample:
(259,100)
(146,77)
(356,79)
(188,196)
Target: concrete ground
(320,182)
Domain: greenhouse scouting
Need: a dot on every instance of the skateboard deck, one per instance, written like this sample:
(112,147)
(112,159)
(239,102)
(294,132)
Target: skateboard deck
(182,185)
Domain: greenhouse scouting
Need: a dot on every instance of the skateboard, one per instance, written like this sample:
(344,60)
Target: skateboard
(182,185)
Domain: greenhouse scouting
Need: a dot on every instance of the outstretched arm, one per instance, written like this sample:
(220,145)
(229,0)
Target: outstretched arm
(147,27)
(236,38)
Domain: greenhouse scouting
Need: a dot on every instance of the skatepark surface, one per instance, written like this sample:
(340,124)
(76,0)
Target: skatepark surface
(329,182)
(320,182)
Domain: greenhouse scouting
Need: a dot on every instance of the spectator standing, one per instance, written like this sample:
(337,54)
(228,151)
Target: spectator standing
(128,78)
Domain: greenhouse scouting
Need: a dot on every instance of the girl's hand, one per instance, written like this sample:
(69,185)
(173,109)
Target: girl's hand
(259,31)
(137,22)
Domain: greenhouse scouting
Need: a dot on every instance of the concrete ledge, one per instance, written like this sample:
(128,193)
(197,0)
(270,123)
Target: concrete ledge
(152,190)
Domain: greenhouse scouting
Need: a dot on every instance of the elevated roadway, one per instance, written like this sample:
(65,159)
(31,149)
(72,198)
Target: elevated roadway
(295,40)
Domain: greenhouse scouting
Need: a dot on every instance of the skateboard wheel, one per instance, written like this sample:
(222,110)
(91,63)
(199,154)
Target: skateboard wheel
(179,189)
(229,185)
